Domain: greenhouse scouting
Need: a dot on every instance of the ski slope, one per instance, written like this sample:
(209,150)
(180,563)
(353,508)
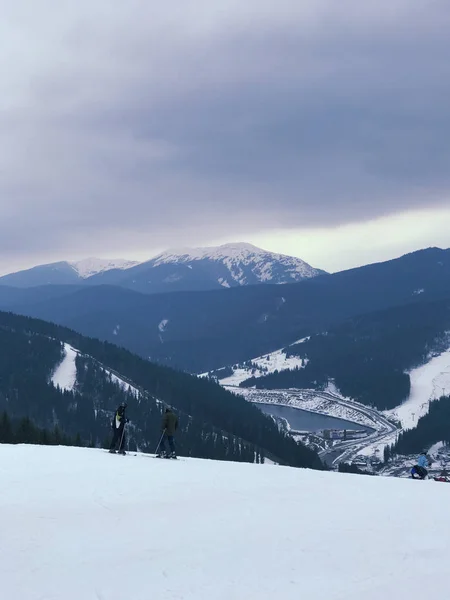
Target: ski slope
(428,382)
(65,375)
(82,524)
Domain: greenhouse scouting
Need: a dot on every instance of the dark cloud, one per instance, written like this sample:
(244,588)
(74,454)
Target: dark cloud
(143,125)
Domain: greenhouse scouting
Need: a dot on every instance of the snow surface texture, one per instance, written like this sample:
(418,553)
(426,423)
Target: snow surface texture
(428,382)
(65,375)
(236,256)
(95,526)
(91,266)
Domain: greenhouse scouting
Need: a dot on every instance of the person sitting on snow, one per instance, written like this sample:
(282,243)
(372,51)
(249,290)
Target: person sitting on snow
(420,469)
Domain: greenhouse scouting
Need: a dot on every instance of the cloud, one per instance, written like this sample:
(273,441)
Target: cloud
(357,244)
(140,124)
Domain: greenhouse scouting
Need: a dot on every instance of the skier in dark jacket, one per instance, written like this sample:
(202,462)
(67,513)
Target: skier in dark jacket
(118,427)
(168,428)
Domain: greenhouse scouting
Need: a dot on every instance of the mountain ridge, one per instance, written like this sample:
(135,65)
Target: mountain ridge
(206,330)
(185,269)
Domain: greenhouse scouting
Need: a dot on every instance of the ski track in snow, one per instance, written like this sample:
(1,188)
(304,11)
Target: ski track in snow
(98,526)
(65,375)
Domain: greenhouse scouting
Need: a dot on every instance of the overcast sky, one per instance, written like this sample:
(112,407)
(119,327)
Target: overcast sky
(313,127)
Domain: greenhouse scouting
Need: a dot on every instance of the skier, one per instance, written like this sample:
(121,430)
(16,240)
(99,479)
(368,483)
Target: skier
(420,469)
(118,427)
(168,428)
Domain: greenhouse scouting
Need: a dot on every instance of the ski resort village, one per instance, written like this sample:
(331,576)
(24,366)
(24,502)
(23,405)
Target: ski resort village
(339,428)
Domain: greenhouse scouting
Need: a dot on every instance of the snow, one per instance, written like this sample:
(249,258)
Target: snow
(240,251)
(377,448)
(65,375)
(428,382)
(436,447)
(91,266)
(262,263)
(124,385)
(162,326)
(268,363)
(104,527)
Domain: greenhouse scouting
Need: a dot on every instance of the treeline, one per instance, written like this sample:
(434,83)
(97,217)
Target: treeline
(215,423)
(367,356)
(431,428)
(24,431)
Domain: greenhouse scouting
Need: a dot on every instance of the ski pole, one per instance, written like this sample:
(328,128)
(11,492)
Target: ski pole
(160,440)
(123,432)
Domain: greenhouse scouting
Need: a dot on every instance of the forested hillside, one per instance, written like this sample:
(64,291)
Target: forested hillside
(431,428)
(367,356)
(214,423)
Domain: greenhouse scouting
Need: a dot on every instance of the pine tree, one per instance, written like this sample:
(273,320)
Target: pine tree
(6,432)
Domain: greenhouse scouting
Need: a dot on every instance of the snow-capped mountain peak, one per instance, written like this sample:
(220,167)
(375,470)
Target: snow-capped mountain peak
(238,250)
(91,266)
(183,269)
(244,263)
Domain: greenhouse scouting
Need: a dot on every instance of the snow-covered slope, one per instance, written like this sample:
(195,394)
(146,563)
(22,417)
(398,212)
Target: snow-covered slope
(260,366)
(92,266)
(105,527)
(65,374)
(244,263)
(428,382)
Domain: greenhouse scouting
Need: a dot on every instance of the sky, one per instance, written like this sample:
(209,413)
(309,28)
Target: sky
(315,128)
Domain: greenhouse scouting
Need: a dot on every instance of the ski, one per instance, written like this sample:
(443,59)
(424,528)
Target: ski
(121,453)
(166,457)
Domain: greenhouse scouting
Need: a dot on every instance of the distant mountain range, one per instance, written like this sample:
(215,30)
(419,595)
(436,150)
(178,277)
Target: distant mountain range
(64,273)
(195,269)
(205,330)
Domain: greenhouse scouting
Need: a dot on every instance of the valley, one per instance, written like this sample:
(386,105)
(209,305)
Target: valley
(374,429)
(341,429)
(359,346)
